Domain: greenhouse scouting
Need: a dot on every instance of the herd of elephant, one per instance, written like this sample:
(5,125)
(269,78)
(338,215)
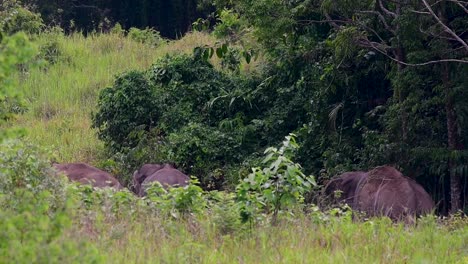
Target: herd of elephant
(166,174)
(381,191)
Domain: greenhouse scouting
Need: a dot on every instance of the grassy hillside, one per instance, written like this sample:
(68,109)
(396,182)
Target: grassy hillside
(62,96)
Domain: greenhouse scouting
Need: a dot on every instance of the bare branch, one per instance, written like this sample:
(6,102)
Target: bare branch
(386,11)
(383,52)
(462,5)
(446,28)
(330,19)
(381,18)
(420,12)
(310,21)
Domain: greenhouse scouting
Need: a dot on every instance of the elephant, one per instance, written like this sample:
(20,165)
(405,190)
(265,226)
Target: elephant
(86,174)
(347,184)
(166,174)
(383,191)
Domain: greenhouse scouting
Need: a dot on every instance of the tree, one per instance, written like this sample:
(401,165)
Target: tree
(421,42)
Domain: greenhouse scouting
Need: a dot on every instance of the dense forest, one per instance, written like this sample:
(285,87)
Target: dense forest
(263,103)
(170,18)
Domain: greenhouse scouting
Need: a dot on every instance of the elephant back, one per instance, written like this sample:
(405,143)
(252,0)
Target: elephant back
(167,177)
(86,174)
(387,192)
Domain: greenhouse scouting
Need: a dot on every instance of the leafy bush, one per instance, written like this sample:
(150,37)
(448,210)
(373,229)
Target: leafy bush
(117,30)
(126,109)
(50,48)
(229,24)
(175,112)
(148,36)
(30,233)
(203,149)
(281,183)
(25,166)
(15,18)
(177,202)
(224,210)
(36,210)
(14,50)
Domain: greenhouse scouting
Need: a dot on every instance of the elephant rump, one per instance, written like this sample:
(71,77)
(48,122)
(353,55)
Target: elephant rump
(86,174)
(383,191)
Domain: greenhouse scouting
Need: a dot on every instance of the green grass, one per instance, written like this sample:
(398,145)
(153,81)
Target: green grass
(62,97)
(157,240)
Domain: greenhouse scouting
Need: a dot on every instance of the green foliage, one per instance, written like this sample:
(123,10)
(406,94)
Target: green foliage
(50,48)
(231,60)
(174,112)
(25,166)
(118,30)
(229,24)
(278,185)
(31,233)
(224,210)
(125,110)
(15,18)
(148,35)
(14,50)
(203,149)
(36,210)
(177,202)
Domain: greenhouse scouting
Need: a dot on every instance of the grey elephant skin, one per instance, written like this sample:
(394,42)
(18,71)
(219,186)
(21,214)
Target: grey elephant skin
(383,191)
(86,174)
(165,174)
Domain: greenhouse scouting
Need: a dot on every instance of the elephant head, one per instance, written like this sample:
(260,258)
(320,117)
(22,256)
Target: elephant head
(139,176)
(167,177)
(346,184)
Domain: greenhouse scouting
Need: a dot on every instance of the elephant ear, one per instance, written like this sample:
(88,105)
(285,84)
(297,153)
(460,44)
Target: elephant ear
(137,179)
(332,186)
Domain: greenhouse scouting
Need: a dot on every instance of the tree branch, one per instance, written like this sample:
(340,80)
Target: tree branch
(386,11)
(383,52)
(381,18)
(445,27)
(462,5)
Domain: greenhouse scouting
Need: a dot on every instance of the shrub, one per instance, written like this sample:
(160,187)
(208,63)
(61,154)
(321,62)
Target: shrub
(224,212)
(229,24)
(177,202)
(50,48)
(14,51)
(203,149)
(15,18)
(126,110)
(175,112)
(25,166)
(148,36)
(36,210)
(117,30)
(279,184)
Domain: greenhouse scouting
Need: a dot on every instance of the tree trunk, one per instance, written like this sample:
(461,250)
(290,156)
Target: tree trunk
(453,141)
(400,95)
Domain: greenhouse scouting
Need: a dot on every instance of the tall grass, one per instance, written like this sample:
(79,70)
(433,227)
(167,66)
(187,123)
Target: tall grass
(62,96)
(160,240)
